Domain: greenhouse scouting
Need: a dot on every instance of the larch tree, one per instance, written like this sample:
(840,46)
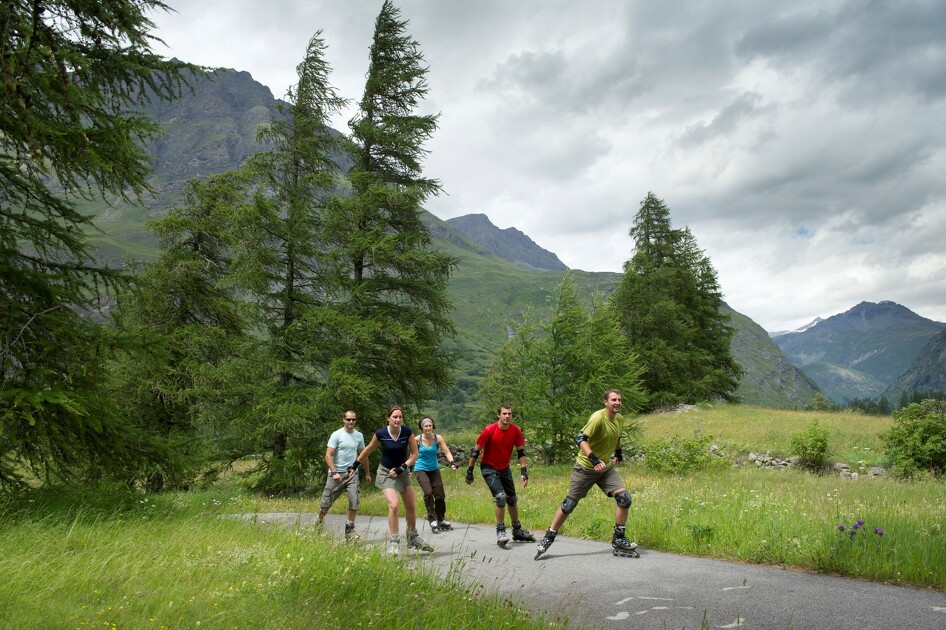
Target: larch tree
(71,77)
(393,312)
(668,302)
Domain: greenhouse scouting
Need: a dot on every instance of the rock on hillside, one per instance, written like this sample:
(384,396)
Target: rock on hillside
(509,244)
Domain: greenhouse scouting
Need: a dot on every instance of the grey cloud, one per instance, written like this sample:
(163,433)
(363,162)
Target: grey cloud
(725,122)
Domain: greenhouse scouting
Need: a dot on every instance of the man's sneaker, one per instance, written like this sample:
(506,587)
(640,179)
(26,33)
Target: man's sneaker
(394,545)
(545,543)
(624,548)
(350,533)
(501,536)
(520,534)
(434,527)
(445,526)
(414,541)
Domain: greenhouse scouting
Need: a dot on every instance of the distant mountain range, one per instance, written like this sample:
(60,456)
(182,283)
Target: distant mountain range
(861,352)
(502,272)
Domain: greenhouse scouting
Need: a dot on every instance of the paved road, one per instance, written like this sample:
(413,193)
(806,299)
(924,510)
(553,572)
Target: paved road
(580,583)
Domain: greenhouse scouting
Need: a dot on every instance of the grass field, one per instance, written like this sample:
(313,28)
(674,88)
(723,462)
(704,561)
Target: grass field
(111,558)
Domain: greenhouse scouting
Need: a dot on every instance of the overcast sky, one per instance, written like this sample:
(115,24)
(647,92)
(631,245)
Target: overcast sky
(803,143)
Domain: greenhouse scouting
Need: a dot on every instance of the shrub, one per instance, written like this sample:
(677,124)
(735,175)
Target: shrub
(917,440)
(811,447)
(680,455)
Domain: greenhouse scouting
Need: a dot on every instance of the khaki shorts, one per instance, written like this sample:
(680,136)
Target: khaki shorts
(383,482)
(609,480)
(334,489)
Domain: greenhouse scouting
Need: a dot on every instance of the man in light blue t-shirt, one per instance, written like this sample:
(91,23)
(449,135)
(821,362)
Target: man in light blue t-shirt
(341,457)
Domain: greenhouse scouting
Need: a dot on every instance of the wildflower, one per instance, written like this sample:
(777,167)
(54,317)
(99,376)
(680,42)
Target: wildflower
(860,522)
(853,533)
(878,531)
(841,528)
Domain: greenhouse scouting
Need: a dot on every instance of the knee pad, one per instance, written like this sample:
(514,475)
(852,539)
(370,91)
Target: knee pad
(500,499)
(512,500)
(623,499)
(568,505)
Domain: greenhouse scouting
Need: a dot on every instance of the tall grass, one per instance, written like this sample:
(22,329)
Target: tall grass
(170,563)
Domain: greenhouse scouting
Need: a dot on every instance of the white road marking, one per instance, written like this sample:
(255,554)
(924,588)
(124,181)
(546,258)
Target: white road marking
(736,624)
(736,588)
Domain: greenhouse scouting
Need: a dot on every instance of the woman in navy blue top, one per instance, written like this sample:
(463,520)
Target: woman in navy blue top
(398,453)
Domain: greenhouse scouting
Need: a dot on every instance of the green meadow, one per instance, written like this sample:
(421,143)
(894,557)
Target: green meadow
(114,558)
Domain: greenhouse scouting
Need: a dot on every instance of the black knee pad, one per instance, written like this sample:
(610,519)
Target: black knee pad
(623,499)
(512,500)
(568,505)
(500,499)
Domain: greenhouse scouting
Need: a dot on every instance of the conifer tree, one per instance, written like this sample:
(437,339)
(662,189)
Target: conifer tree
(71,74)
(186,318)
(283,262)
(668,302)
(555,373)
(393,311)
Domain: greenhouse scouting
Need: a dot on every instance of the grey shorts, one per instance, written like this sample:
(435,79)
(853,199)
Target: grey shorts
(609,480)
(334,489)
(383,482)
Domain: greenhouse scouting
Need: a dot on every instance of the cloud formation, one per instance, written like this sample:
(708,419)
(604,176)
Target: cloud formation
(802,143)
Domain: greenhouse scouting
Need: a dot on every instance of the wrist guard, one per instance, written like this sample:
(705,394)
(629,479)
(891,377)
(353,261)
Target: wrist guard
(594,459)
(400,468)
(619,455)
(524,471)
(469,474)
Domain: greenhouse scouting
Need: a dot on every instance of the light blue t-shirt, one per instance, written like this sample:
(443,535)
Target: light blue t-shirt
(347,446)
(426,456)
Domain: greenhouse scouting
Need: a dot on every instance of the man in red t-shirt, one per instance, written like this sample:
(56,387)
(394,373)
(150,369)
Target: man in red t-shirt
(496,443)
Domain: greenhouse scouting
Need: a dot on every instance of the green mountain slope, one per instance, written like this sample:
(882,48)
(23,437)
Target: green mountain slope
(927,374)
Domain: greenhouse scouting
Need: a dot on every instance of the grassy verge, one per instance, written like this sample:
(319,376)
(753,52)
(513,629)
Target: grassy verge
(167,562)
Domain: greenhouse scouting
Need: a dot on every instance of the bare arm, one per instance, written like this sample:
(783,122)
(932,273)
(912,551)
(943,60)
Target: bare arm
(446,451)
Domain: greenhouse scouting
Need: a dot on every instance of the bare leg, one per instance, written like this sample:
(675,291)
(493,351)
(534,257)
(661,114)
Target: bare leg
(410,508)
(390,495)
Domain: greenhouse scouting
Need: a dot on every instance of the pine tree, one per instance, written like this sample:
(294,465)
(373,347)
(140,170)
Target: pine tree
(393,312)
(71,74)
(555,373)
(283,262)
(186,319)
(668,302)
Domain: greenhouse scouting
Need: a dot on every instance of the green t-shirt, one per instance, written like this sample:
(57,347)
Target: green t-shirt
(603,435)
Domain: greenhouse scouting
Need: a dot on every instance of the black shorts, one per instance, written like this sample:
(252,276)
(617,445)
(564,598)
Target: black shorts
(498,480)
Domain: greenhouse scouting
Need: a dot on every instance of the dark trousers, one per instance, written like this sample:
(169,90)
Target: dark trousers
(432,484)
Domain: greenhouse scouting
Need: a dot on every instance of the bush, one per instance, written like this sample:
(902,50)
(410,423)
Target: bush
(681,455)
(811,447)
(917,440)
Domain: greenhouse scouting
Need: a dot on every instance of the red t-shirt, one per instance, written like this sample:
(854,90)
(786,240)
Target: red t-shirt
(497,444)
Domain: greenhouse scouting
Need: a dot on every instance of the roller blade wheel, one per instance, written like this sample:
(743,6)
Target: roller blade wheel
(624,548)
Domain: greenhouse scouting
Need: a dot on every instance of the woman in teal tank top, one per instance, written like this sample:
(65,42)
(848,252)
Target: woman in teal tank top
(427,471)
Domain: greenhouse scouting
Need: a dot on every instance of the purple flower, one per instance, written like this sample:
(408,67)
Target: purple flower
(841,528)
(853,533)
(878,531)
(859,523)
(856,525)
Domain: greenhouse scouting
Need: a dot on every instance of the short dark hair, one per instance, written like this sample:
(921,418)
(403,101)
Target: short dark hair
(608,393)
(501,407)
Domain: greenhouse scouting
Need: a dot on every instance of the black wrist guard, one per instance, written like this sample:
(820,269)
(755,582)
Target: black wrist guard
(400,468)
(594,459)
(524,471)
(618,455)
(355,465)
(469,473)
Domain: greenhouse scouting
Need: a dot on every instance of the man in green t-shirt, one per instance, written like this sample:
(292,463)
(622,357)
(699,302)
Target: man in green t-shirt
(601,434)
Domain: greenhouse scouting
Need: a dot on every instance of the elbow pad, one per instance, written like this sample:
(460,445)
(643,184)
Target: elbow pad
(520,452)
(580,438)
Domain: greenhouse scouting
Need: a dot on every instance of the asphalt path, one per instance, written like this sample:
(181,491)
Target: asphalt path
(580,583)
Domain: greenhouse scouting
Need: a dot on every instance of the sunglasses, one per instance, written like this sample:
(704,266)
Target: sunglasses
(350,420)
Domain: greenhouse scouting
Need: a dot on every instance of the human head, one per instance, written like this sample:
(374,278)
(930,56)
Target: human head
(504,414)
(395,415)
(349,420)
(612,402)
(425,421)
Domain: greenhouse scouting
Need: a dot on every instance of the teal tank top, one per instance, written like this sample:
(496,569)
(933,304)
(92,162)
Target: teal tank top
(426,456)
